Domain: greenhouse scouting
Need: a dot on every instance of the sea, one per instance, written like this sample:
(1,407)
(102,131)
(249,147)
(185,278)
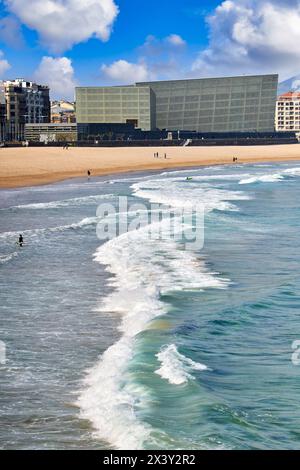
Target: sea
(138,342)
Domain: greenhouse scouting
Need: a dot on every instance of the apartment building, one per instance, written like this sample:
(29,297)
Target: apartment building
(26,102)
(288,112)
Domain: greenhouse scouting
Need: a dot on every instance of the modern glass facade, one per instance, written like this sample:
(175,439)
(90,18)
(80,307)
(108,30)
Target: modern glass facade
(127,105)
(234,104)
(216,104)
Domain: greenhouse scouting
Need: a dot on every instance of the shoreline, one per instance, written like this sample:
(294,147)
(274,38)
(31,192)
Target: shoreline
(23,167)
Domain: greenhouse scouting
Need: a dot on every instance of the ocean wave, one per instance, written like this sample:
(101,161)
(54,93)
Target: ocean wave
(6,258)
(205,177)
(175,367)
(271,177)
(40,231)
(292,171)
(73,202)
(142,271)
(179,194)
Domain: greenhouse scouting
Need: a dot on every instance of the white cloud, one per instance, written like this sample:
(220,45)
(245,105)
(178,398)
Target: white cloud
(58,74)
(175,40)
(158,58)
(169,45)
(63,23)
(296,85)
(4,65)
(125,72)
(10,31)
(252,36)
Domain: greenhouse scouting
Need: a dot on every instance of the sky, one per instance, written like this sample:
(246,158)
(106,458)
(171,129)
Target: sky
(68,43)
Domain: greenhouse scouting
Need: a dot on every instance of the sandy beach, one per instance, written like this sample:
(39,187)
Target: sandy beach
(35,166)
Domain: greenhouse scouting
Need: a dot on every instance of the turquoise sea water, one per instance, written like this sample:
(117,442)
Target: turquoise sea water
(139,343)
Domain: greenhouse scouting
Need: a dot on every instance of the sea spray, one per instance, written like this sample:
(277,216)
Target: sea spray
(271,177)
(175,367)
(72,202)
(178,194)
(142,271)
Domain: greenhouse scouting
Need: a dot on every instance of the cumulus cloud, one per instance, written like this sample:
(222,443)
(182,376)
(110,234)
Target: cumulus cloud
(10,32)
(169,45)
(175,40)
(296,85)
(252,36)
(58,74)
(125,72)
(158,58)
(63,23)
(4,65)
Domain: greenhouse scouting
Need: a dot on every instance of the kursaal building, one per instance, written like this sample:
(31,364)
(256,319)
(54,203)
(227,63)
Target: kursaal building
(234,104)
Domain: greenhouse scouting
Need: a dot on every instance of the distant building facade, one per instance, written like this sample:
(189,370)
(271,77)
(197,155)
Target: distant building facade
(234,104)
(49,132)
(288,112)
(25,102)
(230,104)
(63,112)
(2,114)
(116,105)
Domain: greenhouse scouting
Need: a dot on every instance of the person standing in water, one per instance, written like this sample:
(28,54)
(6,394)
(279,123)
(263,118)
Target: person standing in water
(21,240)
(88,174)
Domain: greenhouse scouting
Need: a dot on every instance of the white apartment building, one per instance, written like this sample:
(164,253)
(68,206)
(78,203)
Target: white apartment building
(288,112)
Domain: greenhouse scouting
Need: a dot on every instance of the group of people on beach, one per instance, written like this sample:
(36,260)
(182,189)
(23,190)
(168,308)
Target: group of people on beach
(234,159)
(156,155)
(66,147)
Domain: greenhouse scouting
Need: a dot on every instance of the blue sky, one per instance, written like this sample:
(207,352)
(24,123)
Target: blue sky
(99,42)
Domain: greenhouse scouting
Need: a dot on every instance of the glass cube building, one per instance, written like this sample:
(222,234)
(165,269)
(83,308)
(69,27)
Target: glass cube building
(233,104)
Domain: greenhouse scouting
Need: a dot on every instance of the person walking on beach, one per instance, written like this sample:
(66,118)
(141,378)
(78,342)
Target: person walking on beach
(165,156)
(21,240)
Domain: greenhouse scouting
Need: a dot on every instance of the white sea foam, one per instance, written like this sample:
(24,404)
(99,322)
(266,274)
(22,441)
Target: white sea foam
(73,202)
(142,271)
(271,178)
(6,258)
(193,170)
(292,171)
(44,231)
(176,193)
(175,367)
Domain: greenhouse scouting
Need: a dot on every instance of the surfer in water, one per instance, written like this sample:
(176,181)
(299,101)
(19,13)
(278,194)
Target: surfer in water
(21,240)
